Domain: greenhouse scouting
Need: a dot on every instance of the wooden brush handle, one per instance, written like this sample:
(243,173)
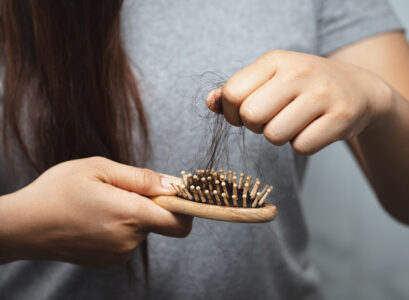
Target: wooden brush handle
(175,204)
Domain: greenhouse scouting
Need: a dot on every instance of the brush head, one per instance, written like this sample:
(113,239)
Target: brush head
(220,196)
(222,188)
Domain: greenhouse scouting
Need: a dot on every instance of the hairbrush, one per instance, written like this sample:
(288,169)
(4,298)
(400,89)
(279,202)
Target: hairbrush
(222,196)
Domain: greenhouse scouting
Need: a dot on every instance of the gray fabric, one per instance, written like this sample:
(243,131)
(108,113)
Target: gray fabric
(173,43)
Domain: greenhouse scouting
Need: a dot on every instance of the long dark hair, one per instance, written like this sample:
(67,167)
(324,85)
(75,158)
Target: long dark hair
(68,87)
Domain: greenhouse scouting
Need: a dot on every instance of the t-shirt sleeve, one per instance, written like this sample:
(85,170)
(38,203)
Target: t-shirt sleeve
(343,22)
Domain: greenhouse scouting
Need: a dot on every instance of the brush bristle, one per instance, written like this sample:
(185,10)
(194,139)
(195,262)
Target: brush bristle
(220,188)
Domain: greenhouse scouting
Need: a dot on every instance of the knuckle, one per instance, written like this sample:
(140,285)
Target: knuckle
(233,120)
(131,216)
(96,160)
(132,219)
(347,134)
(99,166)
(275,54)
(300,72)
(345,112)
(323,90)
(184,228)
(230,94)
(302,147)
(274,57)
(248,115)
(145,177)
(338,135)
(125,247)
(274,136)
(184,232)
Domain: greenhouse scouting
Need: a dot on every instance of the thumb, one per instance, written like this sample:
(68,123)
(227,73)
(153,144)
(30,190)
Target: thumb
(141,181)
(214,101)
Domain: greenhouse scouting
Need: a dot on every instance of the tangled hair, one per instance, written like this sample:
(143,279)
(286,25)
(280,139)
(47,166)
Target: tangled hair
(68,87)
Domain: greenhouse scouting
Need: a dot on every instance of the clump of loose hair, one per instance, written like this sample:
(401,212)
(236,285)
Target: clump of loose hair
(218,133)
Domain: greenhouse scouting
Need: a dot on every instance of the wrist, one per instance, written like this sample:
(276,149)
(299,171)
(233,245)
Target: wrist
(12,239)
(7,249)
(384,106)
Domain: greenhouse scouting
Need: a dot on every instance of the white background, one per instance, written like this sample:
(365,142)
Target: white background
(360,251)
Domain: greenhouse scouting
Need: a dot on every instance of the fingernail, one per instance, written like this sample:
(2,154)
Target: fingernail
(167,180)
(212,100)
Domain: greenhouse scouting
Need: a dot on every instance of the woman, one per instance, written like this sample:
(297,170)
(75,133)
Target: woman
(69,93)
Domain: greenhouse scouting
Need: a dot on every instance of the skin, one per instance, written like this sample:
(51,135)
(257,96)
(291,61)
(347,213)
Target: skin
(95,212)
(90,211)
(358,94)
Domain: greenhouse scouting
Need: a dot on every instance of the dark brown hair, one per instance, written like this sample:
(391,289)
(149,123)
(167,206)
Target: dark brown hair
(68,87)
(68,84)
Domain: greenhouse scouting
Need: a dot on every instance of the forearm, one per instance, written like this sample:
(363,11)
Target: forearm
(383,149)
(383,152)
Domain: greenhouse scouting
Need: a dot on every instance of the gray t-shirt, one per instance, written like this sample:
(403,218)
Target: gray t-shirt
(174,43)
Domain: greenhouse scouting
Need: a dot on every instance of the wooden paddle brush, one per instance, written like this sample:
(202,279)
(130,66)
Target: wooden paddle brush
(217,195)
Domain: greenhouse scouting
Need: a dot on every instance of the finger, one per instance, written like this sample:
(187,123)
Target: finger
(147,216)
(231,112)
(292,119)
(319,134)
(265,102)
(242,84)
(159,220)
(213,100)
(141,181)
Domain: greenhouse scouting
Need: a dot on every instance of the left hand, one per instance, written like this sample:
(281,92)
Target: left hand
(307,100)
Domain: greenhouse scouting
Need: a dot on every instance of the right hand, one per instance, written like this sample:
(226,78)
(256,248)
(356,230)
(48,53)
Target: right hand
(89,211)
